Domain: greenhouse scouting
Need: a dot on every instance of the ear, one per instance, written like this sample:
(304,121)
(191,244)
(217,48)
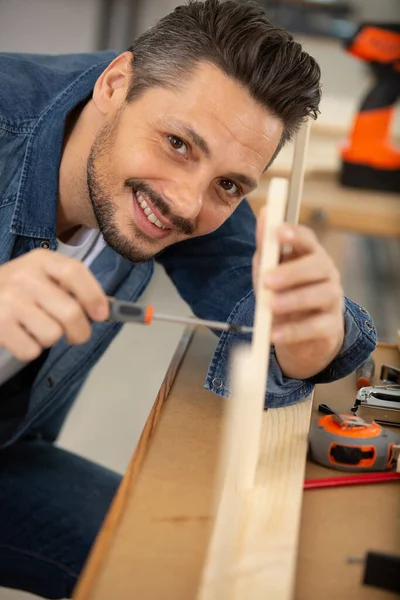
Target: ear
(112,85)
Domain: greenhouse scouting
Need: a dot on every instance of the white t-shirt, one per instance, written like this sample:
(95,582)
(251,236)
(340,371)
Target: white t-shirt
(84,246)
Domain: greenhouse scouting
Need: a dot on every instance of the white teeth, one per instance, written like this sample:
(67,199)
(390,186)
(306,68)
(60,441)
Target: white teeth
(147,211)
(141,200)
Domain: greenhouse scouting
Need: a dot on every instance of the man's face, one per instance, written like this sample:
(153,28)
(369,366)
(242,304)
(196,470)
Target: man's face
(175,164)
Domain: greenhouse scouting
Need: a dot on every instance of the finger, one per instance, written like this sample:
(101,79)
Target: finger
(309,269)
(301,239)
(43,328)
(307,298)
(64,309)
(21,345)
(313,327)
(77,279)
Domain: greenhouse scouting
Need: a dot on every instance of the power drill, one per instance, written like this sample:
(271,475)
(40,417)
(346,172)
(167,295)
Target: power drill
(369,159)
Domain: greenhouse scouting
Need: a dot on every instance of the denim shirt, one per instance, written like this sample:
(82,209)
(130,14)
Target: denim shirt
(212,273)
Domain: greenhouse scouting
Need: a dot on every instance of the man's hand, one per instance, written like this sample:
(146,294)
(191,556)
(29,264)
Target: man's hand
(307,302)
(44,296)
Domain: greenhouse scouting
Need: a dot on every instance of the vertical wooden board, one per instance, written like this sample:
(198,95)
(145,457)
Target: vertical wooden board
(269,550)
(296,181)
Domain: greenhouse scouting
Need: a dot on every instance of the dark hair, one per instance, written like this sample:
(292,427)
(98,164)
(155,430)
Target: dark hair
(240,40)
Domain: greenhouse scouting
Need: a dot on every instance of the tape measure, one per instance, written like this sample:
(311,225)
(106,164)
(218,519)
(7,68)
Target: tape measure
(349,443)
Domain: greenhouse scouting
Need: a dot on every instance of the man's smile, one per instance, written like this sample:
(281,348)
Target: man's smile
(148,219)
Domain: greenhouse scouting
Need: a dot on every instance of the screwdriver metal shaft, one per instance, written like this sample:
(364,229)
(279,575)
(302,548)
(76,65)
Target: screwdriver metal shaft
(130,312)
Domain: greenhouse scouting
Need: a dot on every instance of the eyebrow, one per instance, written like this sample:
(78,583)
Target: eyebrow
(201,143)
(191,133)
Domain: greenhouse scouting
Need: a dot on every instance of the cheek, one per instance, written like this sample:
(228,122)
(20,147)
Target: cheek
(212,216)
(140,158)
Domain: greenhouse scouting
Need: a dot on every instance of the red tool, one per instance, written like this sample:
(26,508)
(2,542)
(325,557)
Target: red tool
(362,479)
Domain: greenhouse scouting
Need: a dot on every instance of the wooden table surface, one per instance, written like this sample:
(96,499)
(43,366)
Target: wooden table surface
(329,205)
(154,540)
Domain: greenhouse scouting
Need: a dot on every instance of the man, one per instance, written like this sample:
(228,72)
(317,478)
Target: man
(107,163)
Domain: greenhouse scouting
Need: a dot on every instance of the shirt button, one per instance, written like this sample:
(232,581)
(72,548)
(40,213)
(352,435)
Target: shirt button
(45,244)
(364,312)
(217,383)
(50,382)
(368,324)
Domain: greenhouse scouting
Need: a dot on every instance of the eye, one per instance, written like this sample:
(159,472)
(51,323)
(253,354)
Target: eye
(177,144)
(230,187)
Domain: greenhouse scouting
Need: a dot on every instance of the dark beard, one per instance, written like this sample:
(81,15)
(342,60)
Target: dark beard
(103,208)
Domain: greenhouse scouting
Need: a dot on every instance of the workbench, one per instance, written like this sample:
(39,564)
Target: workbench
(155,536)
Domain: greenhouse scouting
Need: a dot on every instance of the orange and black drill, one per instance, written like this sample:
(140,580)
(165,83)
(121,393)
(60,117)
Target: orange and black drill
(369,158)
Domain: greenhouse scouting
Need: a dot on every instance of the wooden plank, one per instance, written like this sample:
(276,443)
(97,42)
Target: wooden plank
(261,342)
(296,181)
(253,549)
(86,583)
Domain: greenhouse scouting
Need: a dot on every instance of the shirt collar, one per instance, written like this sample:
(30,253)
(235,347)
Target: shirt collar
(35,211)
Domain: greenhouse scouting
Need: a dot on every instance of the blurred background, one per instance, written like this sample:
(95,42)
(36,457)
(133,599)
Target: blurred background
(359,227)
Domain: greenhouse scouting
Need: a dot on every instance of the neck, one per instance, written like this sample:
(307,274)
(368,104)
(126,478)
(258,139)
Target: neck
(74,207)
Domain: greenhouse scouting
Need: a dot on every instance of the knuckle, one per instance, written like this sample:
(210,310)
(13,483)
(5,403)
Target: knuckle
(335,274)
(17,277)
(319,327)
(72,314)
(52,335)
(28,352)
(70,269)
(338,291)
(38,255)
(80,336)
(5,318)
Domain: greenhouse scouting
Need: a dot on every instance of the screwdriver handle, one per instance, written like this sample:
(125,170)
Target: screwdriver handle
(122,311)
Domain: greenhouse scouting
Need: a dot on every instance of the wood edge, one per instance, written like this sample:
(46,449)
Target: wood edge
(296,180)
(91,571)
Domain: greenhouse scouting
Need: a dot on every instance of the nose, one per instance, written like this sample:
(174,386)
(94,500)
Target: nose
(186,197)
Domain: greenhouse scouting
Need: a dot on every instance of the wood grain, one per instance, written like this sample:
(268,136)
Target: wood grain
(296,181)
(104,540)
(261,342)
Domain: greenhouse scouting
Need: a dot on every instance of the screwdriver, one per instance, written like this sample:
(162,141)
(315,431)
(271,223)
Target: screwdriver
(122,311)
